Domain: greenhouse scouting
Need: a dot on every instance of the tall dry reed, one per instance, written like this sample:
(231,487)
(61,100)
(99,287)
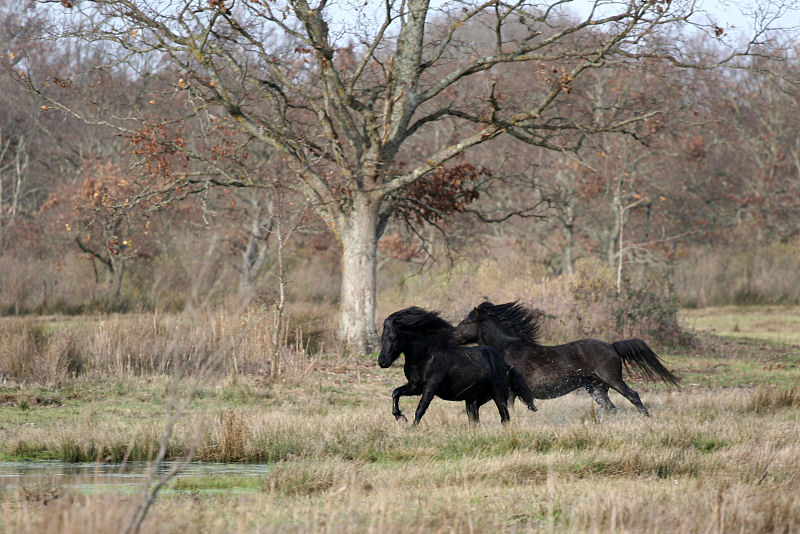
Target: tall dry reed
(48,350)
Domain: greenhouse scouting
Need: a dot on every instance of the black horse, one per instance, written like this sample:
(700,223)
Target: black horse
(556,370)
(436,365)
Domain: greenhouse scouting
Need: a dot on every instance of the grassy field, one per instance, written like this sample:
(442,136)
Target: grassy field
(721,455)
(776,324)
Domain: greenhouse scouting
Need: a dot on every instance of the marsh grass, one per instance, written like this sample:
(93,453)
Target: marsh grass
(218,482)
(720,455)
(709,460)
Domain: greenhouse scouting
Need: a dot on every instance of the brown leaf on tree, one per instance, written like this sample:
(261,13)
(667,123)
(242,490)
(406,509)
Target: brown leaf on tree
(442,192)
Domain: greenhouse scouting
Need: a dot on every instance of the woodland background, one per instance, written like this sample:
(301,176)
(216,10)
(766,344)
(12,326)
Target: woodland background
(696,207)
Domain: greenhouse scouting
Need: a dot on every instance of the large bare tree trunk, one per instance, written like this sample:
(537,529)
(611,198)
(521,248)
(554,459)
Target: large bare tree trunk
(358,234)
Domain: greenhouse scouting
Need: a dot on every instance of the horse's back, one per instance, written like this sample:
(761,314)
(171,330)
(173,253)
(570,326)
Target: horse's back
(553,371)
(470,373)
(586,352)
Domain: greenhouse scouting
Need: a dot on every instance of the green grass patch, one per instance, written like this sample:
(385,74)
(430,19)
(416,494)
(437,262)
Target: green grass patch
(773,324)
(707,445)
(713,371)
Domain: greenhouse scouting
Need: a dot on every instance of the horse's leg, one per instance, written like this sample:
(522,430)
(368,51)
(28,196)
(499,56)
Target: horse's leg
(428,392)
(629,394)
(599,392)
(500,394)
(611,374)
(502,407)
(472,412)
(404,390)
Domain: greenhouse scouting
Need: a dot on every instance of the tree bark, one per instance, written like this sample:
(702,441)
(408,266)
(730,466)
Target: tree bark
(255,252)
(359,242)
(567,268)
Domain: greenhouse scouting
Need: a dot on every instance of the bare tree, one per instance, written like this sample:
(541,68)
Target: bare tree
(341,115)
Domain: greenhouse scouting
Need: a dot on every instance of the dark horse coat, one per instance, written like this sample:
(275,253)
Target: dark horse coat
(436,366)
(553,371)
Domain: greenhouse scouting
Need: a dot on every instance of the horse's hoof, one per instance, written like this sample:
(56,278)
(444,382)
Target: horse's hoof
(401,417)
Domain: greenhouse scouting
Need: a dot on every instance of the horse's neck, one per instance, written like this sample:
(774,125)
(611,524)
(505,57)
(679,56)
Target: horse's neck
(418,356)
(418,352)
(495,336)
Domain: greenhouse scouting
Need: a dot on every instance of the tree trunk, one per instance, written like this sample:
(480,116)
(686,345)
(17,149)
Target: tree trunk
(569,229)
(567,267)
(117,271)
(358,234)
(254,253)
(613,235)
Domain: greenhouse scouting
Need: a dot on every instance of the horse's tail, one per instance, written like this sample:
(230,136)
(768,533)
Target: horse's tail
(520,388)
(637,355)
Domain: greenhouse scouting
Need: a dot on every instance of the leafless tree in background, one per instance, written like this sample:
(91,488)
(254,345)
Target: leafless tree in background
(339,92)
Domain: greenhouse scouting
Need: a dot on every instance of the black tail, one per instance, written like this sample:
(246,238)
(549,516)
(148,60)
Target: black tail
(520,388)
(638,356)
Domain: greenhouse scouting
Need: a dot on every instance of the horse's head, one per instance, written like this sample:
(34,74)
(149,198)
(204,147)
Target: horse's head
(413,331)
(469,329)
(390,344)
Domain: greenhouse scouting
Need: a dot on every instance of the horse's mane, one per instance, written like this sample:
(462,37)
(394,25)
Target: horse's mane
(520,320)
(415,320)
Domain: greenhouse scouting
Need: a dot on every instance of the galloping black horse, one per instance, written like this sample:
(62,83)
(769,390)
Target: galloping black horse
(436,365)
(553,371)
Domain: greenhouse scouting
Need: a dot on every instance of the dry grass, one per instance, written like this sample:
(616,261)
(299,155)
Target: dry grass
(712,459)
(50,350)
(709,461)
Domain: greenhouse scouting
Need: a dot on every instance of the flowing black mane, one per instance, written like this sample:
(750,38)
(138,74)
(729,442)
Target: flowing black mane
(520,320)
(415,320)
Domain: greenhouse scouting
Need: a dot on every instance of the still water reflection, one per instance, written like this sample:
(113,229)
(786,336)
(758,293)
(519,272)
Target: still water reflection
(92,477)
